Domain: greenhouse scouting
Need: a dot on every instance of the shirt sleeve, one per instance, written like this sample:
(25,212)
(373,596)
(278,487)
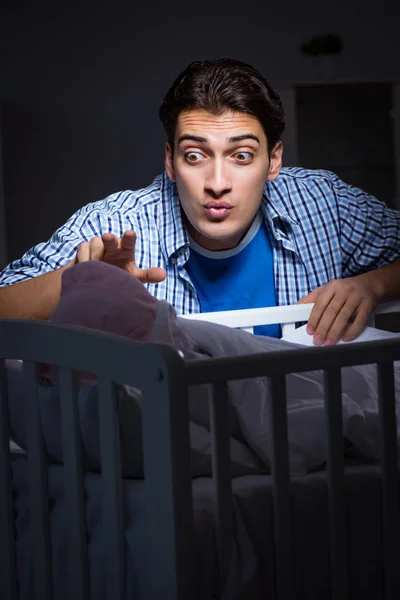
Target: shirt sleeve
(57,251)
(369,230)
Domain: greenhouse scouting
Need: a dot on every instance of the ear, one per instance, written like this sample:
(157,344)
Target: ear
(275,161)
(169,163)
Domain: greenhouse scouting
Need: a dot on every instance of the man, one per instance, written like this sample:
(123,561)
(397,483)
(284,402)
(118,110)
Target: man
(225,226)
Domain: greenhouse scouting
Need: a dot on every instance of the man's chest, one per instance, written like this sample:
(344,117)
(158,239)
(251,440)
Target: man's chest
(302,260)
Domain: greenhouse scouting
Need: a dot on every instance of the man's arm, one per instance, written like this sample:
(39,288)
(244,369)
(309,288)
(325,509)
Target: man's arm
(339,300)
(369,236)
(34,298)
(385,281)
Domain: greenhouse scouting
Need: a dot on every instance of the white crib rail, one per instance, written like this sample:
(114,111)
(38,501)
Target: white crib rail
(287,316)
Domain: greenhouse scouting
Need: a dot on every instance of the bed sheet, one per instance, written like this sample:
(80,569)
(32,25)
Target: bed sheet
(251,568)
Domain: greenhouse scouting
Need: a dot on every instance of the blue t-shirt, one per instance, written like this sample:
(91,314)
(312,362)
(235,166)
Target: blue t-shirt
(242,277)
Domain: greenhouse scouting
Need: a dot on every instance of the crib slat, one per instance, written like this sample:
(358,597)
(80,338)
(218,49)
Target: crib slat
(390,502)
(8,582)
(38,488)
(168,522)
(111,489)
(281,486)
(73,482)
(336,497)
(221,477)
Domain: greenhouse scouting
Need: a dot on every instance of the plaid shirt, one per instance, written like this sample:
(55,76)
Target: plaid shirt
(320,227)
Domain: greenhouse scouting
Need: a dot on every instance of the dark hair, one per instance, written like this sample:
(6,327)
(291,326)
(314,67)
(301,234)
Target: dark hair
(220,85)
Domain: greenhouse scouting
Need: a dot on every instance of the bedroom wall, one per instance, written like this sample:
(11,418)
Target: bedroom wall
(3,239)
(80,87)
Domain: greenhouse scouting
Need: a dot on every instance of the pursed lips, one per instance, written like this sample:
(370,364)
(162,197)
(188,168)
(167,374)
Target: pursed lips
(217,210)
(222,204)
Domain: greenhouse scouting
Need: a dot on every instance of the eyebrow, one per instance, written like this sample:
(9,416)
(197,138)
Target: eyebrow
(232,140)
(193,138)
(245,136)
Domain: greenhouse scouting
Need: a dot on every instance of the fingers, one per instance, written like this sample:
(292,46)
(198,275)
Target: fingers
(110,242)
(335,319)
(92,250)
(96,249)
(337,303)
(152,275)
(113,243)
(322,301)
(83,252)
(128,241)
(358,325)
(120,253)
(311,297)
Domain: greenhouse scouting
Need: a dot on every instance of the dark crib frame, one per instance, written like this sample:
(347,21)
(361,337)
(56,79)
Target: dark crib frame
(164,378)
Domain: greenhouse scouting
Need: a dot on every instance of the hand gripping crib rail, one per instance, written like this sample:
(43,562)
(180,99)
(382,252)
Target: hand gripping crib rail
(287,316)
(164,379)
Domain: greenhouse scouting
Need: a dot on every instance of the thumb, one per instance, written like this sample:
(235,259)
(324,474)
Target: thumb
(152,275)
(310,298)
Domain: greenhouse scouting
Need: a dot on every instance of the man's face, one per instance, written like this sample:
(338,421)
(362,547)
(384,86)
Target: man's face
(220,164)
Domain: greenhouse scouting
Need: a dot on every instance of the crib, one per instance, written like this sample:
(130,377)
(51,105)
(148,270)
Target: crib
(169,555)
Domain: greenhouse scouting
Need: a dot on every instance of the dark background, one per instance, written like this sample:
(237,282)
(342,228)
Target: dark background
(80,88)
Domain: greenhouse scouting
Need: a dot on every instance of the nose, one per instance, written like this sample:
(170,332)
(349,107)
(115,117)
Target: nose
(218,181)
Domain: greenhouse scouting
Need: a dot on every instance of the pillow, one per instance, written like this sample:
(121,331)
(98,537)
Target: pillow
(243,459)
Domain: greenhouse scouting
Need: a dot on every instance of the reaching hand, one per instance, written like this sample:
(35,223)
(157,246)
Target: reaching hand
(119,252)
(336,303)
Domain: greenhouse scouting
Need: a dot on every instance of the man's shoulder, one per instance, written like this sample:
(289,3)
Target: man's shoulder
(300,175)
(298,186)
(127,200)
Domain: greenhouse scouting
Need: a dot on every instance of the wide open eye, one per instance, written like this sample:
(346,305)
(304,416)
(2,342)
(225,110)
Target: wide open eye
(193,157)
(244,156)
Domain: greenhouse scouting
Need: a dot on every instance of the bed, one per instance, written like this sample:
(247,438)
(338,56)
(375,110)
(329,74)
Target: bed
(72,532)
